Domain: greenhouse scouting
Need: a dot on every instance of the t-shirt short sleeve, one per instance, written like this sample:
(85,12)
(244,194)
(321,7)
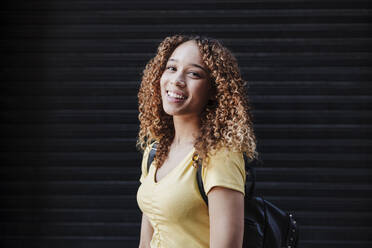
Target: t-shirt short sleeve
(225,169)
(145,156)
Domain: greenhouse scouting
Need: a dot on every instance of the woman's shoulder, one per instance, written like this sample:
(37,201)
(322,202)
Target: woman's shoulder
(225,153)
(224,168)
(225,158)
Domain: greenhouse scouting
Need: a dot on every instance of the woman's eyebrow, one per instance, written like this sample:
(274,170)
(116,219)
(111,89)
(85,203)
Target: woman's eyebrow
(196,65)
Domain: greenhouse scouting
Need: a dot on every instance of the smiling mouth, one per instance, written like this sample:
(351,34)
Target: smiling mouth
(175,95)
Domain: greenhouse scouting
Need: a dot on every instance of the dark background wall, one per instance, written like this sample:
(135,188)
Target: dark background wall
(70,71)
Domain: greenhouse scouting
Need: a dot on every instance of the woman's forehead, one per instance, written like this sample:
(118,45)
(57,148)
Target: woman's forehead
(188,53)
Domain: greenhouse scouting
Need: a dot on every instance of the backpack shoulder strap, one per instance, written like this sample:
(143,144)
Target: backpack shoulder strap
(251,176)
(151,155)
(200,182)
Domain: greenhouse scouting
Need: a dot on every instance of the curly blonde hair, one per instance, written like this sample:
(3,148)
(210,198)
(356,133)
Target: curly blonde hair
(225,121)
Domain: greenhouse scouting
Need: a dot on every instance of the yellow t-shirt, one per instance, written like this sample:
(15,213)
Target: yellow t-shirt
(174,206)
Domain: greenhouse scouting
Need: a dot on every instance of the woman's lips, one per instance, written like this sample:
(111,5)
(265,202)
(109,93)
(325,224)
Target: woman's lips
(174,99)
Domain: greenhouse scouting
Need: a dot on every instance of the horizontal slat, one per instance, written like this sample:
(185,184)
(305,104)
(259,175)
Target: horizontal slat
(131,31)
(107,98)
(71,215)
(336,233)
(132,172)
(125,241)
(320,174)
(129,202)
(335,244)
(70,130)
(92,188)
(272,131)
(62,202)
(190,16)
(64,94)
(71,241)
(149,45)
(68,60)
(326,218)
(113,156)
(117,229)
(71,229)
(129,116)
(356,146)
(95,159)
(191,5)
(253,73)
(70,145)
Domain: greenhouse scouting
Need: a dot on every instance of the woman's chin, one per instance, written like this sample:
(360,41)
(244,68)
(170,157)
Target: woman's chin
(172,112)
(175,111)
(170,109)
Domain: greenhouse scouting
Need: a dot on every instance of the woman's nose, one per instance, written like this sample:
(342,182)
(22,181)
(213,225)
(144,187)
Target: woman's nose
(178,82)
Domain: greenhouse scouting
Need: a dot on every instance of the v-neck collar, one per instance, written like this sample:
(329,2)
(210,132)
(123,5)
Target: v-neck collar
(173,169)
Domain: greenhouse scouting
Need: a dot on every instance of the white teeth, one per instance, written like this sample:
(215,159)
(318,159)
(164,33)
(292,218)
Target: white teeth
(175,95)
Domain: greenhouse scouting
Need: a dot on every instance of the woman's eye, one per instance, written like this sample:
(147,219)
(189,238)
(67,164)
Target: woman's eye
(172,68)
(195,74)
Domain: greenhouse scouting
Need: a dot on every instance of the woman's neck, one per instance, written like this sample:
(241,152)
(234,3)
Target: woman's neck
(187,129)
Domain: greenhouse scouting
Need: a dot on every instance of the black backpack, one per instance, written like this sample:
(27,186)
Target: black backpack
(265,225)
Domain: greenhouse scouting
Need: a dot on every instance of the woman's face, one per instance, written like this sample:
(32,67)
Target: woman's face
(185,85)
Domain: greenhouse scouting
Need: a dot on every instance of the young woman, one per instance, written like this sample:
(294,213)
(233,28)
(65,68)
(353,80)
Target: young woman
(192,102)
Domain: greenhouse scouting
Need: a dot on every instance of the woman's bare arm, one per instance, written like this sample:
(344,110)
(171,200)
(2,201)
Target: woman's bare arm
(226,217)
(146,233)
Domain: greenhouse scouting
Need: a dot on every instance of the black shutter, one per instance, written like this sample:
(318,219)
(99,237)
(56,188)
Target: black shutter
(70,75)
